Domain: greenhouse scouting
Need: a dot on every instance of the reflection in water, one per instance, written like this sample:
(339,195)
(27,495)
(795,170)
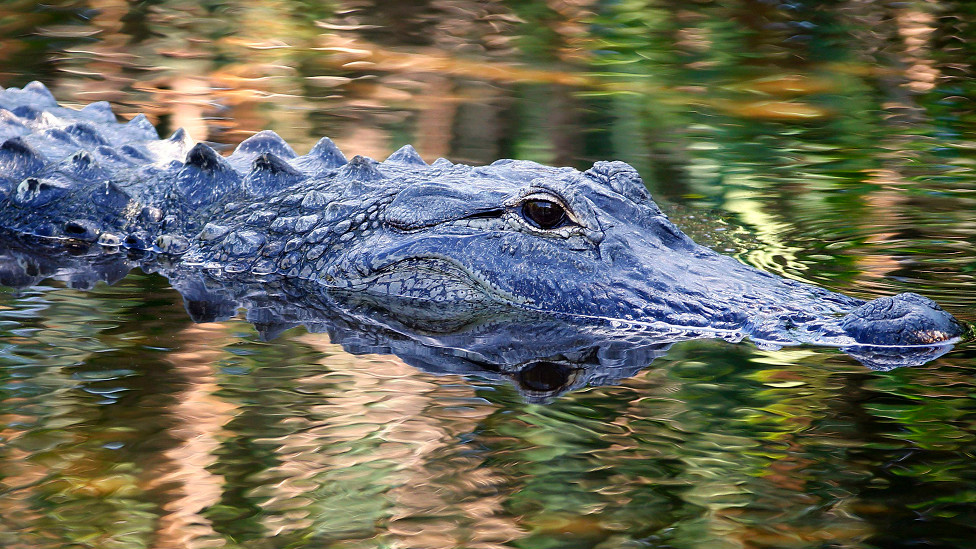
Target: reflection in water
(220,439)
(543,354)
(839,134)
(216,437)
(213,436)
(179,476)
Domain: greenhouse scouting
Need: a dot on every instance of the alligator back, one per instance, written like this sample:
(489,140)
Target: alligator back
(82,175)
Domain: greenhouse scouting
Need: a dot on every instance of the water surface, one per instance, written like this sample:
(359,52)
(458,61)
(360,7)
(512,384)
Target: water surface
(830,142)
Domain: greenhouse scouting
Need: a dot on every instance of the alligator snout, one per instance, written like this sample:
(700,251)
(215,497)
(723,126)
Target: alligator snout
(903,319)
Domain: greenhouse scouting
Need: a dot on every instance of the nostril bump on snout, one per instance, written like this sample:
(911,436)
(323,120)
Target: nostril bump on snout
(903,319)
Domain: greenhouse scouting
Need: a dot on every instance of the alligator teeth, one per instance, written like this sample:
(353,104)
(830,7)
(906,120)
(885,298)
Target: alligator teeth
(265,141)
(406,155)
(109,240)
(172,244)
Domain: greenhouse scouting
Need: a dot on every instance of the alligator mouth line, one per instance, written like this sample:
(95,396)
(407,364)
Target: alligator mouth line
(432,278)
(443,281)
(467,285)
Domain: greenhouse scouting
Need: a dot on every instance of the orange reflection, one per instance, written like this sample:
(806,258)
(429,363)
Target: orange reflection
(440,496)
(178,475)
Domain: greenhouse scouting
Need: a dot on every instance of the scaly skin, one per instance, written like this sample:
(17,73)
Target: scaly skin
(442,242)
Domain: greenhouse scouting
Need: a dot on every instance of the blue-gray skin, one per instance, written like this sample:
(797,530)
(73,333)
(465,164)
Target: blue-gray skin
(439,242)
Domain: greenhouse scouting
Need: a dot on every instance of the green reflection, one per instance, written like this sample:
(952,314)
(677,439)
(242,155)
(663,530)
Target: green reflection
(833,139)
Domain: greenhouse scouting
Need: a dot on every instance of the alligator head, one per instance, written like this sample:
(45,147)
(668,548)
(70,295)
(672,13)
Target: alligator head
(455,239)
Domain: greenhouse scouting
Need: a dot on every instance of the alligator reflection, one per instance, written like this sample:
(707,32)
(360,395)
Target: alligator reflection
(542,355)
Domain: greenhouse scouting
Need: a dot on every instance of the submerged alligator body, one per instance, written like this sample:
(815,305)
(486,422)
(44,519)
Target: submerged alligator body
(440,244)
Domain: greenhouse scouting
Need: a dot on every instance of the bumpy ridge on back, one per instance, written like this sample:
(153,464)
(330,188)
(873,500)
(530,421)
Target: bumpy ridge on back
(51,154)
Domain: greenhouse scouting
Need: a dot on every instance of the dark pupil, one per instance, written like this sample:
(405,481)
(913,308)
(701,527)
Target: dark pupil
(543,213)
(544,376)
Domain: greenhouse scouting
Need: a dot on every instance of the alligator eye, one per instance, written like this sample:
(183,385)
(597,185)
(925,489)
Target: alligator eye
(544,214)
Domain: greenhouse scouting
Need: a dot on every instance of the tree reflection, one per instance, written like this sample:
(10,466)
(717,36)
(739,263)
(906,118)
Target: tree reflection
(838,133)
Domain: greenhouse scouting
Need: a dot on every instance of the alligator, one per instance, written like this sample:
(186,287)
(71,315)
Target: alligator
(439,244)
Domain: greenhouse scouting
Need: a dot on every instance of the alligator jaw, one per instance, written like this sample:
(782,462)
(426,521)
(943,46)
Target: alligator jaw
(433,293)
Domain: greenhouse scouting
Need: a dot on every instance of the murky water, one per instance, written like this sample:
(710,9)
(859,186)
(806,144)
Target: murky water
(830,142)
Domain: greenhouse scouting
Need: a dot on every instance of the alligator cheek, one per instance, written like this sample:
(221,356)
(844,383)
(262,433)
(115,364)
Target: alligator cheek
(434,294)
(435,280)
(903,319)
